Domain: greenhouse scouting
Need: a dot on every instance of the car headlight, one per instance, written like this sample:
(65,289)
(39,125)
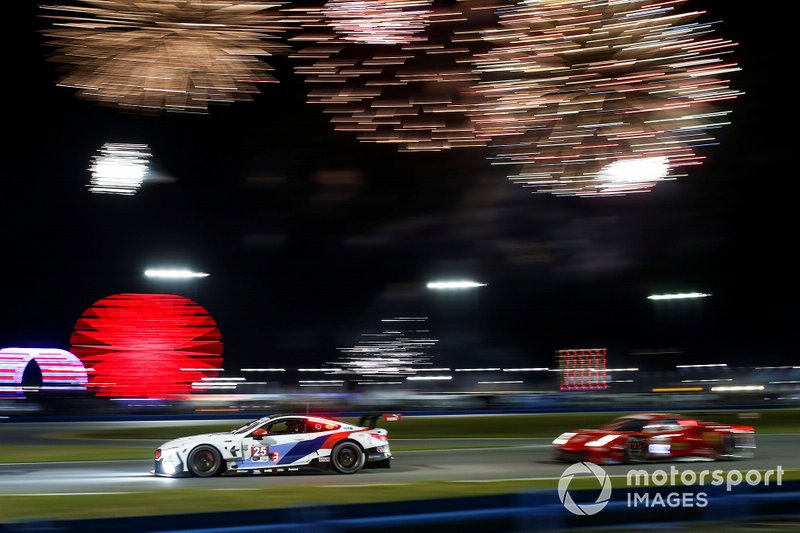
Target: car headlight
(170,461)
(563,438)
(601,441)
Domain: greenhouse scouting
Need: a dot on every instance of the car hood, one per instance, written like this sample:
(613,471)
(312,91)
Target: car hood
(582,436)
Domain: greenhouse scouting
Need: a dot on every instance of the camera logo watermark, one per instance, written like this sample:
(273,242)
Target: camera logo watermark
(687,486)
(584,508)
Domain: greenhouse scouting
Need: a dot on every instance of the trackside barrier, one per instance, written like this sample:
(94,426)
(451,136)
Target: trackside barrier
(531,511)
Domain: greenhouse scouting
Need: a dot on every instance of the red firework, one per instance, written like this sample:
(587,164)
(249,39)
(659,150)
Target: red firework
(147,345)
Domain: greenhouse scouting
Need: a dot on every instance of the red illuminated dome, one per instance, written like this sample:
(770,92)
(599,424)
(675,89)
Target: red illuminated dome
(147,345)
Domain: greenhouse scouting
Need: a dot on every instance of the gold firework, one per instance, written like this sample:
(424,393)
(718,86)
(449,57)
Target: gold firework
(601,97)
(388,82)
(378,21)
(175,55)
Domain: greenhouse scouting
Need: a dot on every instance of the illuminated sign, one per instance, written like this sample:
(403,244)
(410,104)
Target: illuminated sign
(60,369)
(147,345)
(583,369)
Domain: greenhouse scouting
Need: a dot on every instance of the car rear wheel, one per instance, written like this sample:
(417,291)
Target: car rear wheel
(727,446)
(634,450)
(205,461)
(347,458)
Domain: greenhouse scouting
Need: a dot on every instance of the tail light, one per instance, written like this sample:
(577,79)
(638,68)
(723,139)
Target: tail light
(379,436)
(158,453)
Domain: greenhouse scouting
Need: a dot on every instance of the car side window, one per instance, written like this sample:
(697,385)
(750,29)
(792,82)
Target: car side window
(287,426)
(631,425)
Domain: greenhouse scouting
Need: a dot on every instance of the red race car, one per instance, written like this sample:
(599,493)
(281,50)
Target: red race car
(655,437)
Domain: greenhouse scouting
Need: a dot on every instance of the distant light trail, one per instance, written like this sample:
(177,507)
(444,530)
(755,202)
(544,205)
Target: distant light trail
(678,296)
(173,273)
(449,285)
(737,388)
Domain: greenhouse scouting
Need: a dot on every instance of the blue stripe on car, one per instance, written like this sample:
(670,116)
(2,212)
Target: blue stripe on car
(301,449)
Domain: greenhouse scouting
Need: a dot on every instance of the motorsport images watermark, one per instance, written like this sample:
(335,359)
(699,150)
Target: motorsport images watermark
(692,481)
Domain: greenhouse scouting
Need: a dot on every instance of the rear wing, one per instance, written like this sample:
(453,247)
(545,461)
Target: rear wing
(370,420)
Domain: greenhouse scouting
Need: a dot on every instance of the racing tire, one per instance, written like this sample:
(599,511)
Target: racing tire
(205,461)
(634,450)
(727,446)
(347,458)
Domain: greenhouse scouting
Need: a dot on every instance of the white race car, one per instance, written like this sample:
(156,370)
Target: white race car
(278,443)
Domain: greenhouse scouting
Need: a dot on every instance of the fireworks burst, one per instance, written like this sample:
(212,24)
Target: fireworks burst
(601,97)
(378,21)
(410,91)
(397,351)
(175,55)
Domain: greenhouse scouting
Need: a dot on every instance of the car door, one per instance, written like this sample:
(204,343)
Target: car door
(269,445)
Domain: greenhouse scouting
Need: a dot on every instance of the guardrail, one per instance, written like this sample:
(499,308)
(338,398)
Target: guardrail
(530,511)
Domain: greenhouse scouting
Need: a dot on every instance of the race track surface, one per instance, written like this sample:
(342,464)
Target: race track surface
(522,459)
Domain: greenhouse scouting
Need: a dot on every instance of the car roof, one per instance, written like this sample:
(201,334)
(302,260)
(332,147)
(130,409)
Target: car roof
(307,417)
(649,416)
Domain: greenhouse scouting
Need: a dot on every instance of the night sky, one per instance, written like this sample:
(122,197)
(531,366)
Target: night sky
(311,237)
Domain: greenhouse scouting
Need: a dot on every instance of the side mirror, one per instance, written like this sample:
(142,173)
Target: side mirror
(258,433)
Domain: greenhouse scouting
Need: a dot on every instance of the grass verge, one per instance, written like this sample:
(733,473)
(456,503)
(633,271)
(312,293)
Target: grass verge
(169,501)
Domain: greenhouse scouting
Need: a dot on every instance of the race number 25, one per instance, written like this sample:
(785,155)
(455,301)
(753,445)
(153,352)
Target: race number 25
(259,452)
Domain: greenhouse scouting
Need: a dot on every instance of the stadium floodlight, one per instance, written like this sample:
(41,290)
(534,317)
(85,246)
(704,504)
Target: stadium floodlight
(119,168)
(678,296)
(455,284)
(174,273)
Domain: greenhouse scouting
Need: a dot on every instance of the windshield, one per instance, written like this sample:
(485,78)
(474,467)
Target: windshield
(626,424)
(250,425)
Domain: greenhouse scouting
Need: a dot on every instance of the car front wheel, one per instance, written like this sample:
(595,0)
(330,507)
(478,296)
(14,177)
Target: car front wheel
(205,461)
(347,458)
(634,450)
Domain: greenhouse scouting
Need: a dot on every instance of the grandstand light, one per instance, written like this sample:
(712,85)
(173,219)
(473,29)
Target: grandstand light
(702,366)
(174,273)
(679,296)
(454,285)
(737,388)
